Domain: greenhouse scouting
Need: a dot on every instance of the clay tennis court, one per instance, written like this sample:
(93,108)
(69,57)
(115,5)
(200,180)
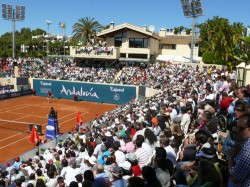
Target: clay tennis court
(16,115)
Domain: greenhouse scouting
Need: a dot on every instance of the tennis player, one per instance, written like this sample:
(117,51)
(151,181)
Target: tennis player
(50,95)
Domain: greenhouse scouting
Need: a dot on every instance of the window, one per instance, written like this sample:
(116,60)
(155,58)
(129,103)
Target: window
(121,35)
(123,55)
(118,39)
(118,42)
(168,46)
(138,42)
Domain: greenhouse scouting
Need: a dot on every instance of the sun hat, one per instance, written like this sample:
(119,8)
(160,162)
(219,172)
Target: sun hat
(108,133)
(132,157)
(116,171)
(92,160)
(86,157)
(125,165)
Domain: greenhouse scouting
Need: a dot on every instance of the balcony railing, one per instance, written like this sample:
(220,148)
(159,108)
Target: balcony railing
(94,52)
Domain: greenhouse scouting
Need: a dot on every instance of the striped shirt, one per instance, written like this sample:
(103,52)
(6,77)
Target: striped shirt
(143,156)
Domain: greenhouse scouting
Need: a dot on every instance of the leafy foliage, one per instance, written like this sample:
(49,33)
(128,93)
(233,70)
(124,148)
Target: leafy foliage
(221,38)
(178,30)
(208,57)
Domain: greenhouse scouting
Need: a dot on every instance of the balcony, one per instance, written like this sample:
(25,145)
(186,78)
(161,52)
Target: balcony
(95,52)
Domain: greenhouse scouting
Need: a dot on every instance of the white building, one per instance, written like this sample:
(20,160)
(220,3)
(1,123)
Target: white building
(129,43)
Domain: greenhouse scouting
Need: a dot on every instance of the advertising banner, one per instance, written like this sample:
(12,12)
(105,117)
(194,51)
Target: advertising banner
(103,93)
(52,129)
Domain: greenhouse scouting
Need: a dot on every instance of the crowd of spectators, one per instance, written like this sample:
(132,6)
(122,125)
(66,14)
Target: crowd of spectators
(57,69)
(170,139)
(6,68)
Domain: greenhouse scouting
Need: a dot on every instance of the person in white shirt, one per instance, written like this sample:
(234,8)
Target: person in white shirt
(172,111)
(119,155)
(52,180)
(185,120)
(143,155)
(210,95)
(70,172)
(171,155)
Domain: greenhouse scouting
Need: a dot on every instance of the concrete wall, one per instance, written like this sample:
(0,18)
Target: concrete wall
(181,50)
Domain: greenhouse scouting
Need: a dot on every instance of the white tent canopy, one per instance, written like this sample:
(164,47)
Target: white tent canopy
(176,58)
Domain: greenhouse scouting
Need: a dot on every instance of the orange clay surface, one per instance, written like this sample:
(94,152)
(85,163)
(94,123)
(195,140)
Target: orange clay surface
(34,110)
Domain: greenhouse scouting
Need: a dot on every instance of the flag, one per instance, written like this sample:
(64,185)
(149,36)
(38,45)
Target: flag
(79,118)
(59,24)
(34,135)
(63,25)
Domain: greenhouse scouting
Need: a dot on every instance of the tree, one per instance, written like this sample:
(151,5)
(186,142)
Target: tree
(178,30)
(24,37)
(222,39)
(85,30)
(244,56)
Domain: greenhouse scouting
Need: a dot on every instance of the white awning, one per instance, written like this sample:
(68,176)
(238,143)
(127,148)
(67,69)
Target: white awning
(133,60)
(176,58)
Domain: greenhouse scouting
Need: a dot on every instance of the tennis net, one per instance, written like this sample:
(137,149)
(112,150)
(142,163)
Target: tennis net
(24,127)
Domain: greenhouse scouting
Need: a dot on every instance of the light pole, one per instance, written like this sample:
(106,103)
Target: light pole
(18,14)
(192,10)
(48,23)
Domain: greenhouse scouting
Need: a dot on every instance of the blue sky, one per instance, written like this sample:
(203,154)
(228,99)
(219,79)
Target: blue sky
(160,13)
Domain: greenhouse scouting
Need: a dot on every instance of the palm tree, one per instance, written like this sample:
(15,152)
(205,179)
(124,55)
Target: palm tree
(85,29)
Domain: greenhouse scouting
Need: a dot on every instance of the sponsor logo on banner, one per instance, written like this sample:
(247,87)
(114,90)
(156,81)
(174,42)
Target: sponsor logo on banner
(113,89)
(116,96)
(44,83)
(15,94)
(50,128)
(80,92)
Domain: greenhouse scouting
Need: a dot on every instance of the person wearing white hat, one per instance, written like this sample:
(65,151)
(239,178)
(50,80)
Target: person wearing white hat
(92,160)
(85,164)
(109,139)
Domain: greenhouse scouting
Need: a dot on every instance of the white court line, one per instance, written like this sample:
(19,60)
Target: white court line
(16,106)
(28,137)
(15,119)
(61,108)
(16,109)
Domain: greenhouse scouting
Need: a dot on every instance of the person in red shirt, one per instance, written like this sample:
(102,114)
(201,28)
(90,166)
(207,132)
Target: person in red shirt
(75,97)
(225,102)
(136,170)
(49,96)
